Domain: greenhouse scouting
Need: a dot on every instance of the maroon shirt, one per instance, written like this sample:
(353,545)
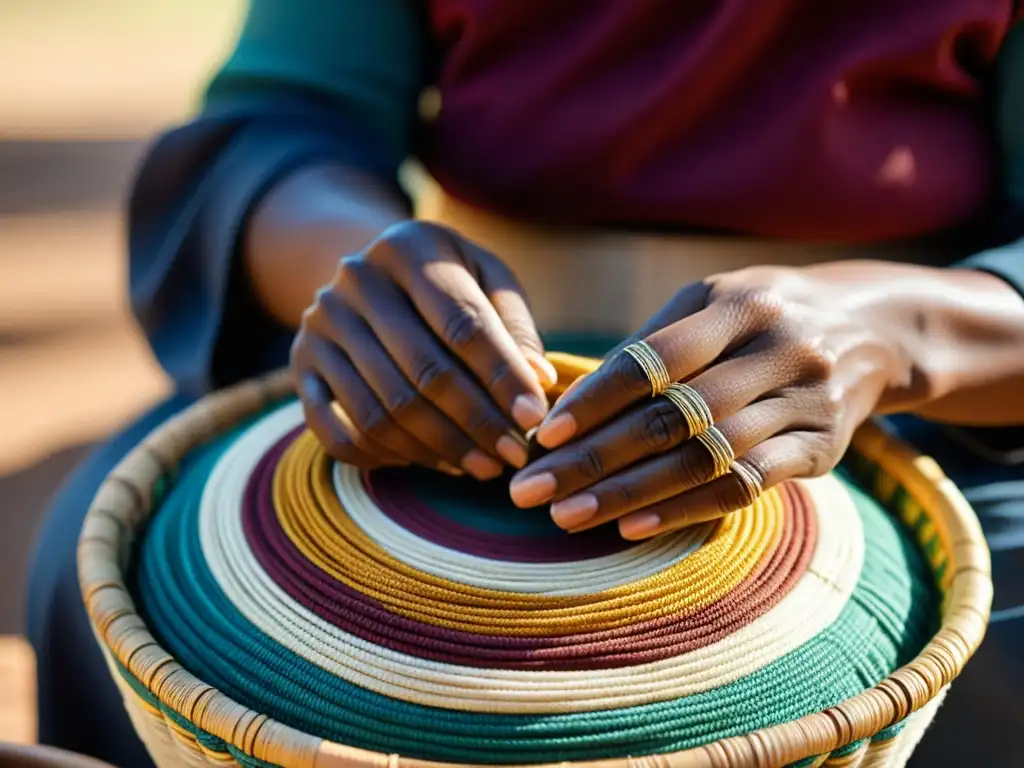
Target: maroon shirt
(851,120)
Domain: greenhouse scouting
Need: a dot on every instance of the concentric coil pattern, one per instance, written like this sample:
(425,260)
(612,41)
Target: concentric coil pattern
(412,613)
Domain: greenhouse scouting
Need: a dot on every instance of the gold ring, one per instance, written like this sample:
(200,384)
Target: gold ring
(749,480)
(693,407)
(718,446)
(651,364)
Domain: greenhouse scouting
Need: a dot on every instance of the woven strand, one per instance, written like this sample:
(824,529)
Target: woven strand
(314,520)
(633,644)
(648,722)
(242,575)
(915,488)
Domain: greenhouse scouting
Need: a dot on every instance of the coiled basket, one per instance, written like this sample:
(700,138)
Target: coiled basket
(260,605)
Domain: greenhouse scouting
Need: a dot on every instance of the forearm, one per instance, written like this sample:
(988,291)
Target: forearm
(960,334)
(304,225)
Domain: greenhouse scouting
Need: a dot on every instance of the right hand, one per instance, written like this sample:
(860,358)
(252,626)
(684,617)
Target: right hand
(422,350)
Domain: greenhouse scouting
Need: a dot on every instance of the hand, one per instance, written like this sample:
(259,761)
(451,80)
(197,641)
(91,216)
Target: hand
(789,361)
(422,350)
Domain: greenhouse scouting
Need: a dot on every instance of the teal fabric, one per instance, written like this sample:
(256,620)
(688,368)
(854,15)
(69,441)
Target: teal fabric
(885,623)
(368,59)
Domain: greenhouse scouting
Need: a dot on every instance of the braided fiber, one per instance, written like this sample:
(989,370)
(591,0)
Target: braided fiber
(406,612)
(313,519)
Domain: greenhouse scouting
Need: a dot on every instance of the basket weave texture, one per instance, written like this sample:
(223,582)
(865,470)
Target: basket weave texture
(184,721)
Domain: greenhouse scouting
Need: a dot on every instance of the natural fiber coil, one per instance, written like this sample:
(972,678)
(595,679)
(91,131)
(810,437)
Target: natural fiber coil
(316,616)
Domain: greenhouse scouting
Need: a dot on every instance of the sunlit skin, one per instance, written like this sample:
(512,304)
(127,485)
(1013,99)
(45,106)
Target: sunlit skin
(426,343)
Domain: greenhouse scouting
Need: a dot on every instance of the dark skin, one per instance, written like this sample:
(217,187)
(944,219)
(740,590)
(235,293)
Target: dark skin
(419,348)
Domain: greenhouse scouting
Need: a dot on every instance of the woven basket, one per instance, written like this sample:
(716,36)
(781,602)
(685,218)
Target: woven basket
(185,722)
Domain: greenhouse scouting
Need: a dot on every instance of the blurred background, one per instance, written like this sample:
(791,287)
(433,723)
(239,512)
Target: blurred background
(84,85)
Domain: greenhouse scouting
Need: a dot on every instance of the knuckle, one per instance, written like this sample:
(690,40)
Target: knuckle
(524,332)
(689,470)
(402,402)
(816,360)
(373,419)
(819,464)
(400,242)
(500,375)
(625,495)
(820,456)
(662,428)
(351,278)
(728,499)
(759,305)
(410,231)
(352,268)
(480,422)
(430,376)
(588,463)
(462,327)
(821,406)
(328,308)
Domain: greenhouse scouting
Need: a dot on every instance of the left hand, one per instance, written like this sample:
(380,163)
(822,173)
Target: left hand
(790,362)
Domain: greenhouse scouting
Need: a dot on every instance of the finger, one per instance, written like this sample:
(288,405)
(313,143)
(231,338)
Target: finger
(785,456)
(430,368)
(454,306)
(508,298)
(367,414)
(339,324)
(330,427)
(652,428)
(685,347)
(670,474)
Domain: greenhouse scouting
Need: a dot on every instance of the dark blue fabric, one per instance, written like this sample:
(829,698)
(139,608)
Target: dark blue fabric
(187,211)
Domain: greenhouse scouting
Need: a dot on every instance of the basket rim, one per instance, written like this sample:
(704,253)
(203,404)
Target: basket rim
(123,502)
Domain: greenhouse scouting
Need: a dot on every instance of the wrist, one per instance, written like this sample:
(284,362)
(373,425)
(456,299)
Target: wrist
(304,225)
(956,330)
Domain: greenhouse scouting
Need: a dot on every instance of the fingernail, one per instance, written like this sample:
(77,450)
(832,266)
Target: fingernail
(574,511)
(639,526)
(480,465)
(448,469)
(533,490)
(552,434)
(546,373)
(512,450)
(529,411)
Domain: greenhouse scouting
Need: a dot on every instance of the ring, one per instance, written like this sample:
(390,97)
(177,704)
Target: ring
(719,448)
(693,407)
(748,479)
(651,364)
